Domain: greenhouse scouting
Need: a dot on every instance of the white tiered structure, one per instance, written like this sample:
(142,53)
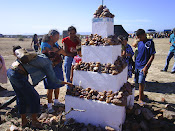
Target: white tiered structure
(98,112)
(103,26)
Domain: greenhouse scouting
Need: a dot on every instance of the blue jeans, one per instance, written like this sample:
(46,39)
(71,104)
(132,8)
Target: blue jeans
(139,76)
(67,67)
(36,48)
(27,96)
(59,74)
(170,55)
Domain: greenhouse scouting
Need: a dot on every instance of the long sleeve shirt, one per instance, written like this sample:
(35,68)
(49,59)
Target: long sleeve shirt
(40,67)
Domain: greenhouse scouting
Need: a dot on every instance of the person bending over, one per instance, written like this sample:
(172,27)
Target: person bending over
(37,67)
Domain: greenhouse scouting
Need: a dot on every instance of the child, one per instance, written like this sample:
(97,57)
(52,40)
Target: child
(128,56)
(144,58)
(76,59)
(126,53)
(120,38)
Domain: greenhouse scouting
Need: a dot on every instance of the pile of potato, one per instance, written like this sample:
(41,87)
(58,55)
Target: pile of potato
(97,40)
(103,12)
(109,68)
(118,98)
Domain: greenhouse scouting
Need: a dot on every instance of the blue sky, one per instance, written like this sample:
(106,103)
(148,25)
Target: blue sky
(39,16)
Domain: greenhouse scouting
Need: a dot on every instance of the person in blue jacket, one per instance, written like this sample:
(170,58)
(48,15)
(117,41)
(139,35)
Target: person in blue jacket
(171,53)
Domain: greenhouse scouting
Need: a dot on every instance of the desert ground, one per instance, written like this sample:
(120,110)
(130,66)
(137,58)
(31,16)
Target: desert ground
(160,86)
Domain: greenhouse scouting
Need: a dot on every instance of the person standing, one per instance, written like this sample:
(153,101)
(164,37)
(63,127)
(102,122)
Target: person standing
(144,58)
(3,72)
(35,42)
(128,56)
(76,59)
(171,53)
(50,48)
(69,46)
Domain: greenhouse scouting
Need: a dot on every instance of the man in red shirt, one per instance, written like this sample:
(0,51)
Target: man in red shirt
(69,46)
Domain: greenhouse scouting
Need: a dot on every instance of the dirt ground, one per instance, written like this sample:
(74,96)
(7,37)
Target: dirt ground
(159,86)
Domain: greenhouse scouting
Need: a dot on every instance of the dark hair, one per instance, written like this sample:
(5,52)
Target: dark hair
(53,32)
(16,47)
(40,40)
(140,32)
(35,35)
(46,38)
(72,28)
(78,48)
(120,38)
(125,38)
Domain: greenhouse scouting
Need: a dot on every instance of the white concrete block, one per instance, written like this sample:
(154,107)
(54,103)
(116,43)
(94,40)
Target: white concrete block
(96,112)
(130,99)
(100,81)
(103,26)
(102,54)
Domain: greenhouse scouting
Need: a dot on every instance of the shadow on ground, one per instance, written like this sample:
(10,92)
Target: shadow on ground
(7,93)
(158,87)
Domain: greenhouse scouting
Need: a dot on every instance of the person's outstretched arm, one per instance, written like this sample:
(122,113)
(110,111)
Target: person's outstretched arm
(170,40)
(71,74)
(32,43)
(61,51)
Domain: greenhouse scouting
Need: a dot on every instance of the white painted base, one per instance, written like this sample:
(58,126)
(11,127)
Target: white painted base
(96,112)
(100,81)
(102,54)
(103,26)
(130,99)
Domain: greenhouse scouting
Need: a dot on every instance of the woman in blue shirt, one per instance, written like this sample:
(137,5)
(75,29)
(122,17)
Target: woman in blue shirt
(50,47)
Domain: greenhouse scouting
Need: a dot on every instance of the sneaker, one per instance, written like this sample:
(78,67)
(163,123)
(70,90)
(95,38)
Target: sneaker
(57,104)
(172,72)
(163,70)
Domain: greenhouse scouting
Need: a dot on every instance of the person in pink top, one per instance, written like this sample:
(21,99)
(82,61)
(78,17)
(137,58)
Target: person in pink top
(3,72)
